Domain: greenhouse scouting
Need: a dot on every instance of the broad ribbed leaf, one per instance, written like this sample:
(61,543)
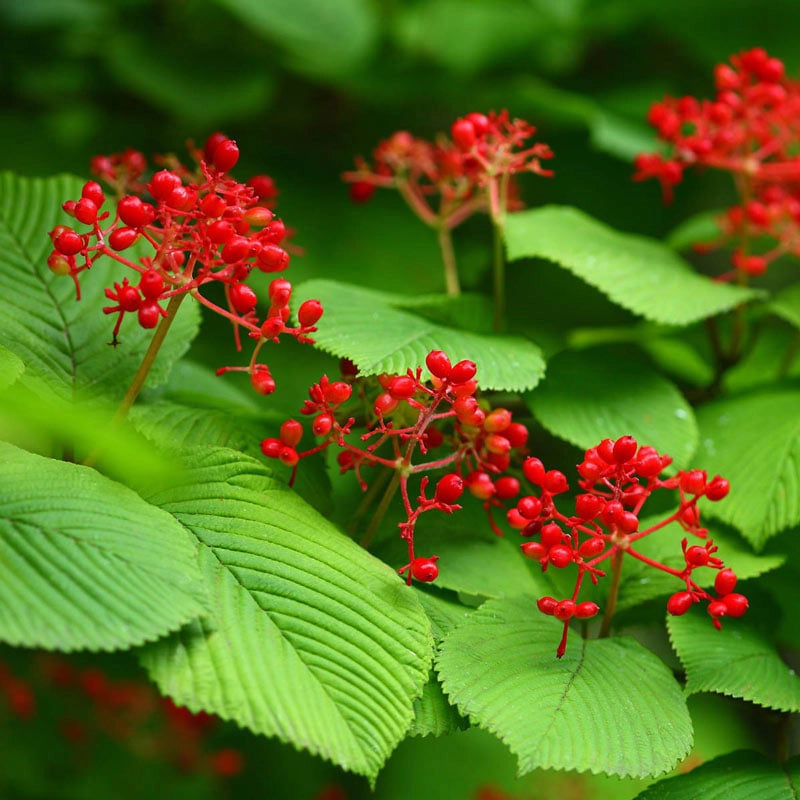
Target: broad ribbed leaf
(500,669)
(443,610)
(312,639)
(321,37)
(433,714)
(591,395)
(371,329)
(754,442)
(637,273)
(85,563)
(736,661)
(641,582)
(235,427)
(11,367)
(744,775)
(62,341)
(786,304)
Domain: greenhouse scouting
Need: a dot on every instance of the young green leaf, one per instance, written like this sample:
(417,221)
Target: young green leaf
(371,329)
(500,669)
(744,775)
(433,714)
(64,342)
(598,393)
(311,640)
(735,661)
(85,563)
(637,273)
(754,442)
(11,367)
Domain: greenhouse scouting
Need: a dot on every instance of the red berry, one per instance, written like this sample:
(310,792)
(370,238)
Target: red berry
(530,506)
(220,232)
(463,134)
(462,372)
(261,380)
(259,216)
(263,186)
(517,434)
(497,421)
(606,451)
(149,314)
(425,569)
(243,298)
(211,144)
(288,456)
(449,488)
(697,556)
(588,506)
(134,213)
(648,466)
(212,205)
(58,264)
(86,211)
(361,191)
(94,192)
(592,547)
(624,449)
(547,605)
(338,392)
(237,248)
(402,387)
(439,364)
(68,243)
(717,488)
(385,404)
(280,292)
(555,482)
(322,425)
(464,389)
(506,487)
(679,603)
(480,485)
(586,610)
(271,447)
(479,121)
(465,407)
(128,298)
(560,556)
(565,610)
(291,432)
(718,609)
(271,258)
(737,604)
(533,469)
(725,581)
(516,520)
(163,184)
(151,284)
(628,522)
(122,238)
(226,154)
(552,535)
(534,550)
(694,481)
(272,326)
(309,313)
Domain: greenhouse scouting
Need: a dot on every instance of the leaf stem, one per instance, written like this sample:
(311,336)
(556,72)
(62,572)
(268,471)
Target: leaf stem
(144,368)
(449,261)
(613,592)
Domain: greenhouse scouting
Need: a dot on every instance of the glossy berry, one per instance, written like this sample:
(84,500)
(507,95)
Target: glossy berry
(86,211)
(736,604)
(588,506)
(530,506)
(385,404)
(291,432)
(506,487)
(694,481)
(592,547)
(439,364)
(68,243)
(122,238)
(497,421)
(134,213)
(462,132)
(679,603)
(480,485)
(288,456)
(717,608)
(309,313)
(560,556)
(462,372)
(717,488)
(338,392)
(449,488)
(425,569)
(402,387)
(151,284)
(243,298)
(725,581)
(280,292)
(534,471)
(271,447)
(262,381)
(565,610)
(624,449)
(322,425)
(149,314)
(226,154)
(586,610)
(534,550)
(555,482)
(93,191)
(272,258)
(697,556)
(547,605)
(552,535)
(517,434)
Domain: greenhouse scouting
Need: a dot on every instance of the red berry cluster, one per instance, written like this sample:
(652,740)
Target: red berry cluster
(196,229)
(404,416)
(751,129)
(617,478)
(464,174)
(89,708)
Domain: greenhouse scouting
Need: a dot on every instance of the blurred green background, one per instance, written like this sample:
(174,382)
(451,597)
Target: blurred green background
(304,86)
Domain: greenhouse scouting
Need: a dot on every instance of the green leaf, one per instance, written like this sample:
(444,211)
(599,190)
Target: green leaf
(744,775)
(679,359)
(786,305)
(754,442)
(641,582)
(370,329)
(11,367)
(312,639)
(702,227)
(324,38)
(240,429)
(577,712)
(602,393)
(61,341)
(443,610)
(619,136)
(433,714)
(639,274)
(85,563)
(736,661)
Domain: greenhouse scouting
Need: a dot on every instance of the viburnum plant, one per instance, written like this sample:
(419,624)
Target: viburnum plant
(151,506)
